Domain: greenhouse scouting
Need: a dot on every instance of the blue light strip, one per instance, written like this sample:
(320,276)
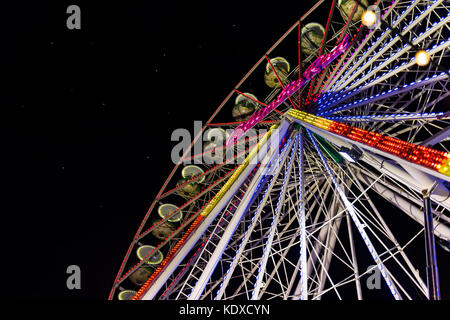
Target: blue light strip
(331,99)
(394,38)
(359,225)
(374,44)
(386,94)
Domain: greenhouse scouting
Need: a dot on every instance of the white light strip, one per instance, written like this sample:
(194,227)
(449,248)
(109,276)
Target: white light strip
(416,20)
(302,227)
(273,227)
(348,69)
(391,117)
(325,103)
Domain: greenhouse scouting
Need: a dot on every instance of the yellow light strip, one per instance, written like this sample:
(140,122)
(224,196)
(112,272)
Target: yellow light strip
(219,195)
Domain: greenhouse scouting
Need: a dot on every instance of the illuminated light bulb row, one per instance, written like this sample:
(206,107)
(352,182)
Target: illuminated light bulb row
(423,55)
(158,270)
(385,117)
(364,65)
(400,16)
(385,94)
(423,156)
(351,71)
(422,58)
(331,99)
(268,244)
(301,210)
(314,98)
(392,39)
(180,274)
(433,25)
(212,203)
(359,225)
(427,157)
(237,173)
(164,220)
(239,122)
(273,166)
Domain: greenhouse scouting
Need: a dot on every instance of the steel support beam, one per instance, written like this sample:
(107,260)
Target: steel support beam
(430,250)
(440,230)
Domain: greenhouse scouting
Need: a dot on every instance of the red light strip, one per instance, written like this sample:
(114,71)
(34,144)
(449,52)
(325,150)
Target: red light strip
(188,264)
(427,157)
(158,270)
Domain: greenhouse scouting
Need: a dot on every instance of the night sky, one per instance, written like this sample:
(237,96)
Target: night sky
(87,117)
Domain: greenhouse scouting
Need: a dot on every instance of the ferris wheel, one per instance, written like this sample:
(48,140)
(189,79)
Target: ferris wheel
(339,173)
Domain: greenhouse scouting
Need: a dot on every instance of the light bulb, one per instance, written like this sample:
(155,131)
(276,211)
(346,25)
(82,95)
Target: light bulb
(422,58)
(369,18)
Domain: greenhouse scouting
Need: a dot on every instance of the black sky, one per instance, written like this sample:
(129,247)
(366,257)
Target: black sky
(87,117)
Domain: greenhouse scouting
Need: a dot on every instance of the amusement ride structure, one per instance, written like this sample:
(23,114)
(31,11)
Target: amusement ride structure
(339,174)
